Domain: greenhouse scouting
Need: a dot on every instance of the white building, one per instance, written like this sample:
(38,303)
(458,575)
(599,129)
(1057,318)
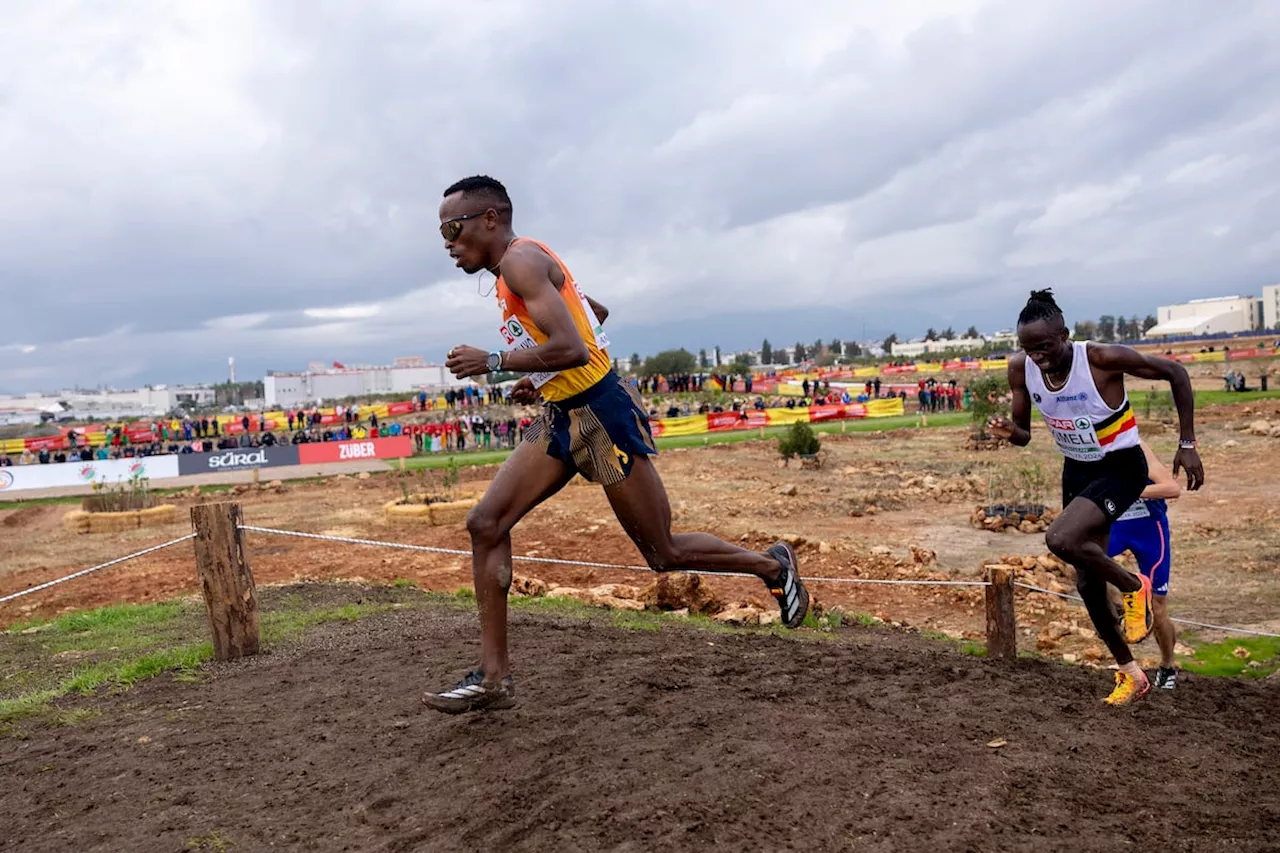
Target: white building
(406,377)
(1271,306)
(919,347)
(1221,315)
(109,404)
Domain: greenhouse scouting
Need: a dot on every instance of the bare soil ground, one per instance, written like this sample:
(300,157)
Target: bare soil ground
(878,497)
(864,739)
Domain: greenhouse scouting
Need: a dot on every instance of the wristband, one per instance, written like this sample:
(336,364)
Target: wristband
(1187,443)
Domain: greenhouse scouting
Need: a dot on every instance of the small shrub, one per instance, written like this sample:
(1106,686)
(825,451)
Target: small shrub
(799,440)
(988,393)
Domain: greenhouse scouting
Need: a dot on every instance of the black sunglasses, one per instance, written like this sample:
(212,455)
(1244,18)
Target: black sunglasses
(451,228)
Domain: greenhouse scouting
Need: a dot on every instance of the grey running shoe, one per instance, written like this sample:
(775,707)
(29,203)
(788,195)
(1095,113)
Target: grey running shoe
(1166,679)
(793,598)
(473,693)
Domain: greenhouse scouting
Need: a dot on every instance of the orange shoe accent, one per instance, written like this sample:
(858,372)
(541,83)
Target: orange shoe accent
(1138,618)
(1128,689)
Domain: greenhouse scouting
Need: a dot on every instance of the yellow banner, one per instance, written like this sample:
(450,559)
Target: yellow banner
(886,407)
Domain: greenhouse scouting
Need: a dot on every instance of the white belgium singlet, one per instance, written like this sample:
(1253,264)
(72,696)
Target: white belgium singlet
(1083,426)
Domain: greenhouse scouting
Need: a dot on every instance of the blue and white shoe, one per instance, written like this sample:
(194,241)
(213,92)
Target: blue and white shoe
(787,588)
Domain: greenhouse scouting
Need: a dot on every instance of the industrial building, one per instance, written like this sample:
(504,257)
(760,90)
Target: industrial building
(1271,307)
(1223,315)
(919,347)
(407,376)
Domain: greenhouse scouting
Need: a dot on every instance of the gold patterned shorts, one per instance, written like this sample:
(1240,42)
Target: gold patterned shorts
(598,432)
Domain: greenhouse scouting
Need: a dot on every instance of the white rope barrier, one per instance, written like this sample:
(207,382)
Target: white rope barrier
(11,596)
(583,563)
(1228,628)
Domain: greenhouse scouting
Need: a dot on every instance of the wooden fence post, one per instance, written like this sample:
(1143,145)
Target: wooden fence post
(225,579)
(1002,626)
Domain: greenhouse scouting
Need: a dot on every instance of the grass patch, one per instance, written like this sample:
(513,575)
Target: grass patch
(116,647)
(1224,659)
(491,457)
(1214,398)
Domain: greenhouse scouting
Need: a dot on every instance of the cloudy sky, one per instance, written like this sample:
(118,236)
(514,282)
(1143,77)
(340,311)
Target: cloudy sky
(183,182)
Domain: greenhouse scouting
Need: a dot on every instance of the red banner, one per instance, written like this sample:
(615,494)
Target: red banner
(394,447)
(404,408)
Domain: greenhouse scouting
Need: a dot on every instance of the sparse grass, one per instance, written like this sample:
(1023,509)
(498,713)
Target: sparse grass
(1223,660)
(118,646)
(1214,398)
(490,457)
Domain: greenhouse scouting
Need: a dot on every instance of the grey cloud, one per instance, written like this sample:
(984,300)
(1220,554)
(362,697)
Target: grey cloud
(168,169)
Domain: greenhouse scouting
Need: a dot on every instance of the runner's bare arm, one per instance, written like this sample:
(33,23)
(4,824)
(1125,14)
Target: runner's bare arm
(527,274)
(1163,485)
(1018,430)
(599,310)
(1122,359)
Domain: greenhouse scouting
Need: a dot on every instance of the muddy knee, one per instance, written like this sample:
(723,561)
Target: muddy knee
(1062,545)
(484,525)
(661,558)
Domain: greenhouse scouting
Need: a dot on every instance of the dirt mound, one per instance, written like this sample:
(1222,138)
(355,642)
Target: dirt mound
(678,739)
(24,517)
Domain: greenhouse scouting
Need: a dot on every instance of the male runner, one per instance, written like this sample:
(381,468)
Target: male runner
(1079,389)
(592,423)
(1143,530)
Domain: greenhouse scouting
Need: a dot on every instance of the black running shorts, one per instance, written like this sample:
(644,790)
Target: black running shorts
(599,432)
(1113,482)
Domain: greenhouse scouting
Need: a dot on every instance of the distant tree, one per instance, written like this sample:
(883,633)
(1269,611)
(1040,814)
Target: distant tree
(800,353)
(852,349)
(889,342)
(741,365)
(1106,328)
(1086,331)
(972,332)
(816,350)
(717,355)
(669,362)
(1122,328)
(948,334)
(766,352)
(1149,323)
(931,335)
(635,361)
(702,359)
(781,356)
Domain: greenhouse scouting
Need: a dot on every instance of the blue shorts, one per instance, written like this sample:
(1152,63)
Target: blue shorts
(1148,540)
(598,433)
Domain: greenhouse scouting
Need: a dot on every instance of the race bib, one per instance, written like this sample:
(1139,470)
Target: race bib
(515,337)
(1075,437)
(597,328)
(1138,509)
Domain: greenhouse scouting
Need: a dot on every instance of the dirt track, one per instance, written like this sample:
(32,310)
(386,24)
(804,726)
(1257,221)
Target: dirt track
(638,740)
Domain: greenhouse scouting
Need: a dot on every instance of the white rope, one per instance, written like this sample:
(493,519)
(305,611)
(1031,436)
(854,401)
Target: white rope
(584,563)
(82,572)
(1171,618)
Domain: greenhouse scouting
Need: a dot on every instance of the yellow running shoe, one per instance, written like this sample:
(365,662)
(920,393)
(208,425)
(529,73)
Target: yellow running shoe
(1138,618)
(1128,689)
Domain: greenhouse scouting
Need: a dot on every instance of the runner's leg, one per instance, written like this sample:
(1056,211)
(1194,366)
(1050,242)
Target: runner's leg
(1166,637)
(1079,536)
(527,478)
(641,505)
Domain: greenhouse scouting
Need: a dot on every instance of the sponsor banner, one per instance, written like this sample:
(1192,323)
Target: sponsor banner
(23,477)
(400,408)
(237,459)
(723,421)
(355,450)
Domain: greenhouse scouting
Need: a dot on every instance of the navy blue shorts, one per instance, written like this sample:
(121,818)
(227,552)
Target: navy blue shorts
(599,432)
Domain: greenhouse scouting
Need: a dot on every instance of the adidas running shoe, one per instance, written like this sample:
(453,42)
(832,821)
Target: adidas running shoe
(1138,618)
(793,598)
(1166,678)
(1128,689)
(473,693)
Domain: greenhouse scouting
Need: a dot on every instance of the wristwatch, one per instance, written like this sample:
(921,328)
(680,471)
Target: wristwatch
(495,362)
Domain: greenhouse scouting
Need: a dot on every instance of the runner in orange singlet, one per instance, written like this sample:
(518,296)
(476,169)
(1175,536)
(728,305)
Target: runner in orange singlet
(592,423)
